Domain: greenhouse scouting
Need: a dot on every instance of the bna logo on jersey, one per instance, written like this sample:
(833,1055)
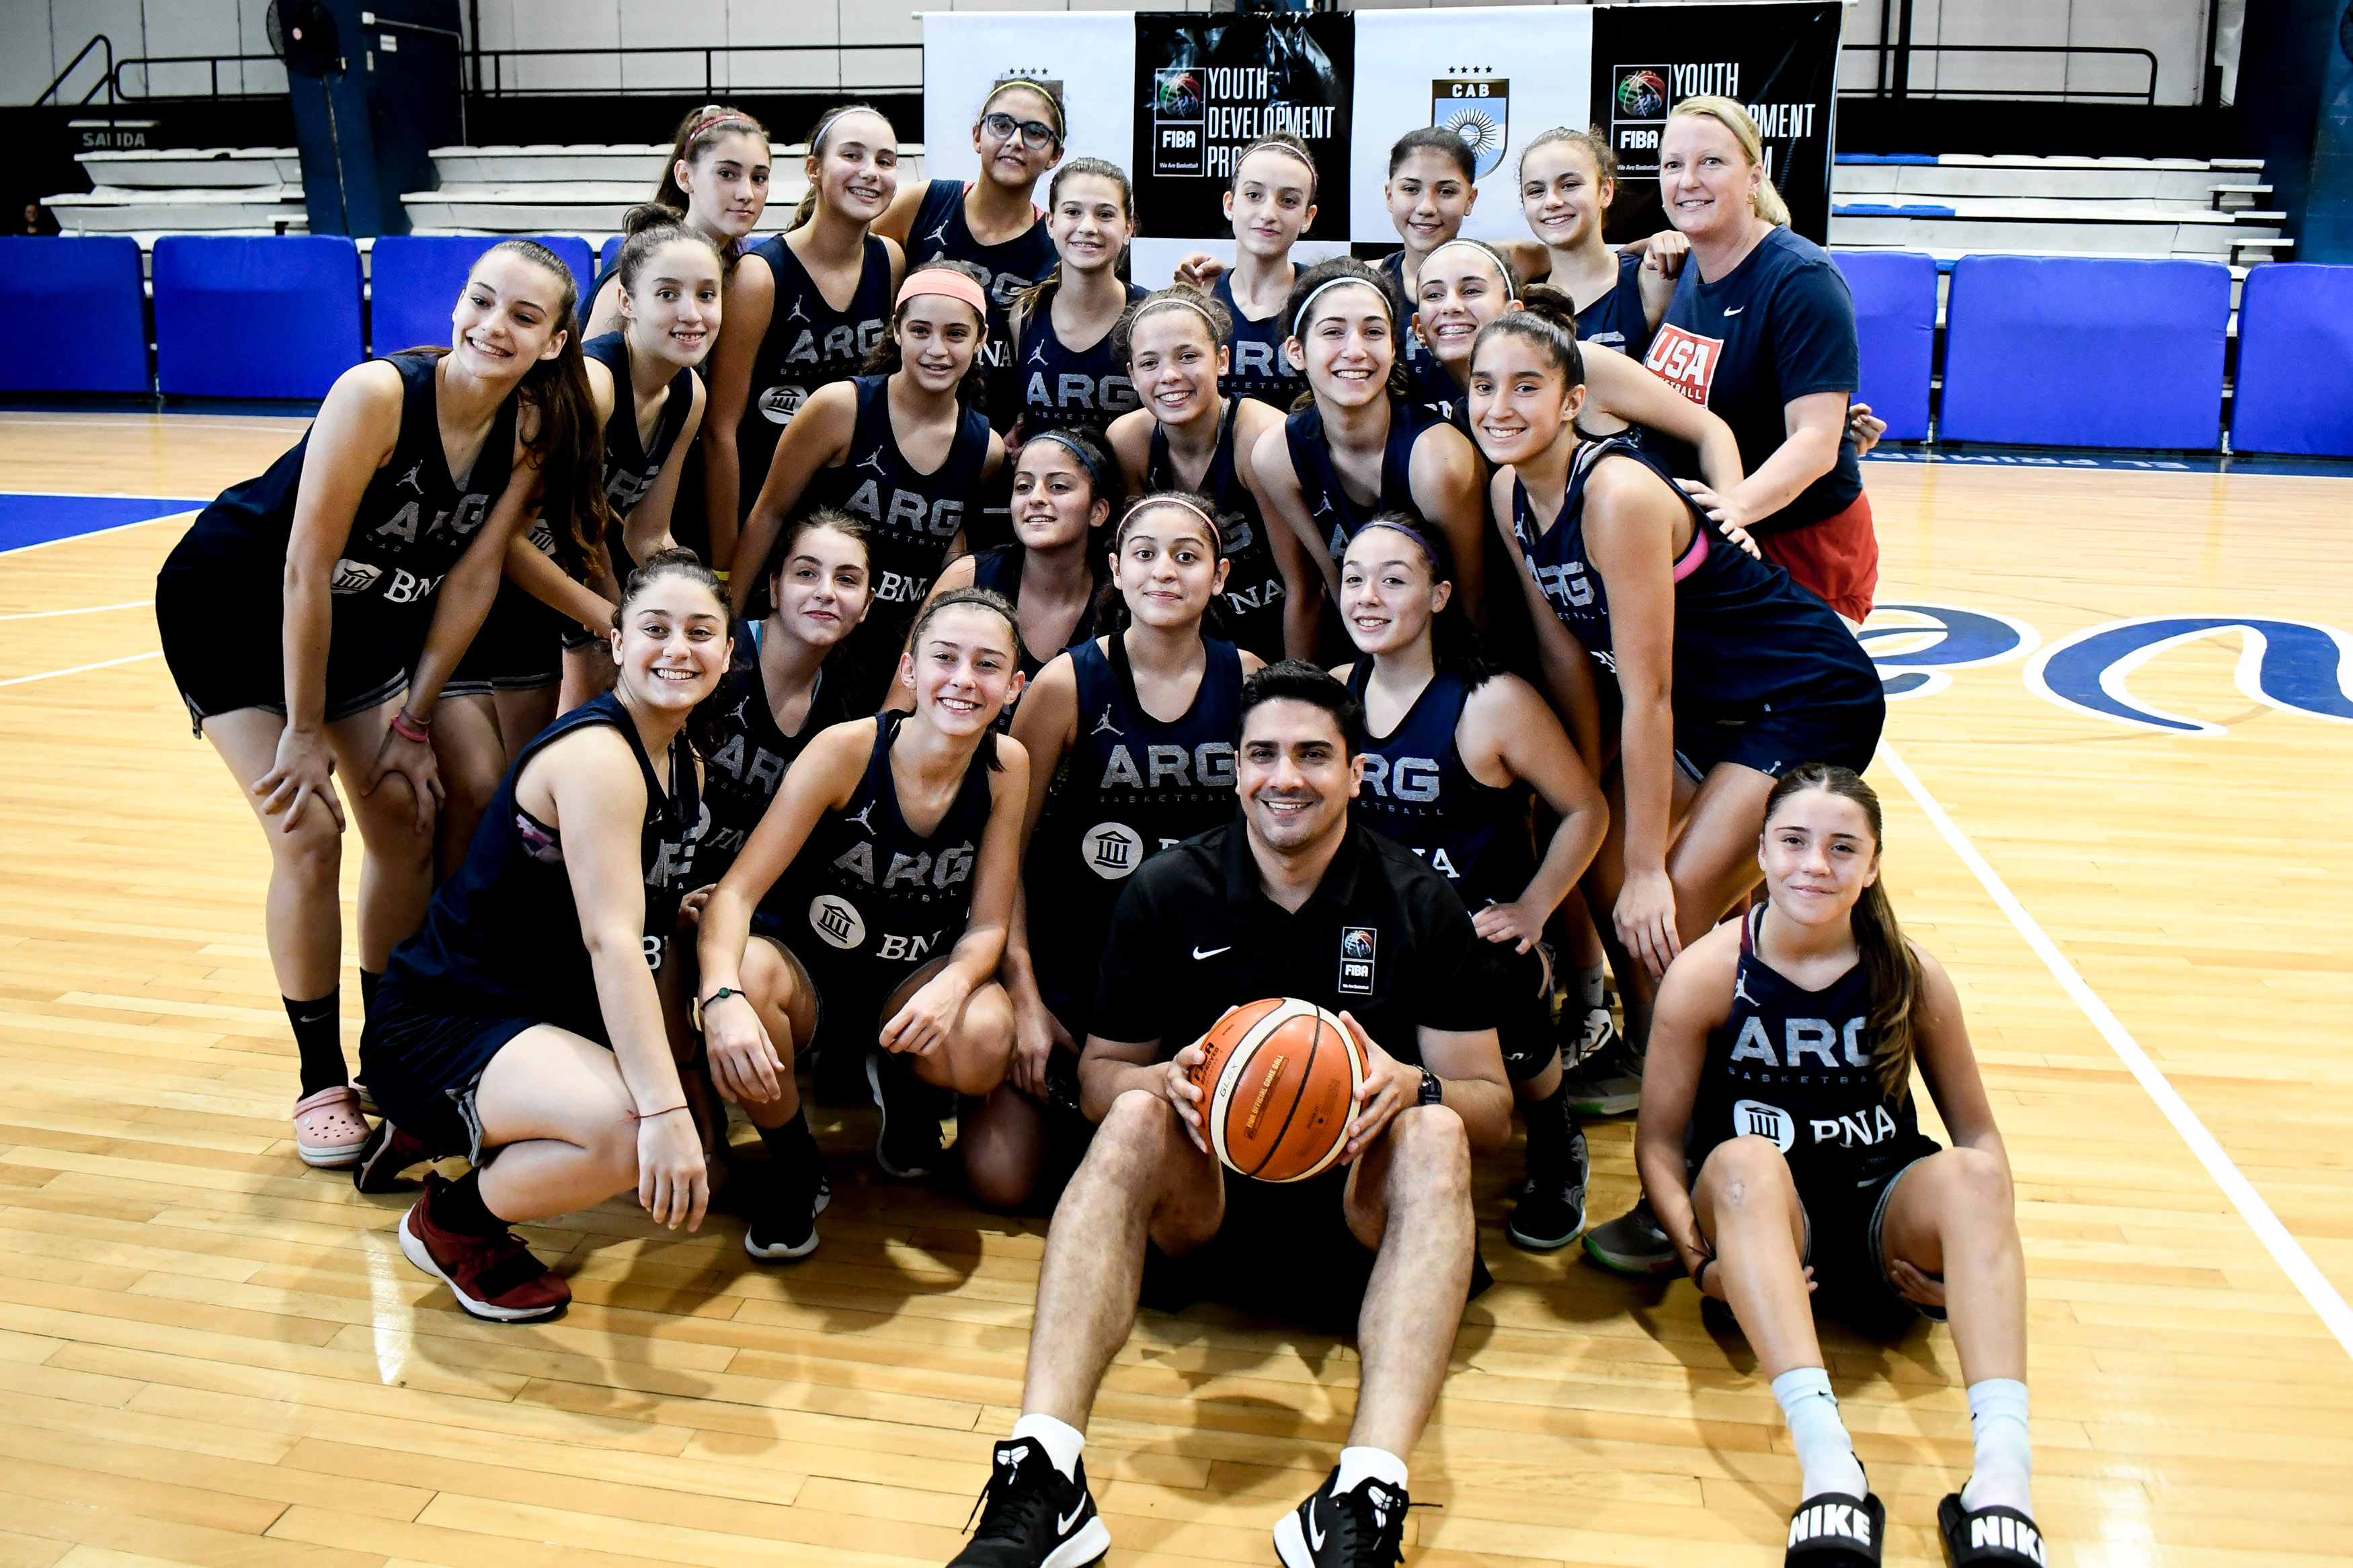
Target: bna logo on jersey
(1474,107)
(780,403)
(1754,1118)
(1111,849)
(836,921)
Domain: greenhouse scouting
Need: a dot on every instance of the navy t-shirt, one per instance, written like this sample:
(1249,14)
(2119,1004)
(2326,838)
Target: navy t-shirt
(1779,326)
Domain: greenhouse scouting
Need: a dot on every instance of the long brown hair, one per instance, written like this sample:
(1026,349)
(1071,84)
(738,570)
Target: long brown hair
(1348,270)
(698,133)
(886,358)
(1039,295)
(569,446)
(1891,969)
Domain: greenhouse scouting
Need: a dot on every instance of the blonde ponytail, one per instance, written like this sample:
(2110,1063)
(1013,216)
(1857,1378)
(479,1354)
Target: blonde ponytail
(1728,113)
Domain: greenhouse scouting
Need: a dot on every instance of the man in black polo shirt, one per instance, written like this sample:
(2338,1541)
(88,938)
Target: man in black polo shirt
(1290,901)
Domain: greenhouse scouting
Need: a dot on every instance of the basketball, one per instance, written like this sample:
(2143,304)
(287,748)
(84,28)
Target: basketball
(1278,1079)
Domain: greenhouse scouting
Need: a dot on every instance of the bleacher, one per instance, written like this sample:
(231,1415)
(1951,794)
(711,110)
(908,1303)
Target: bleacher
(2118,303)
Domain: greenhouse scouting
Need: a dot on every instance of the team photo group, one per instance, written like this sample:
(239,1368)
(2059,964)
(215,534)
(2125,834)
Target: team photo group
(1203,762)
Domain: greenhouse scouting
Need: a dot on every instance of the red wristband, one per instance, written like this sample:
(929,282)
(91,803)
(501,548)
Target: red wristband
(417,730)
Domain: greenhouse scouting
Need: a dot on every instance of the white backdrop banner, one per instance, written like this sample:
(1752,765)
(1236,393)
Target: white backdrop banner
(1498,75)
(1087,57)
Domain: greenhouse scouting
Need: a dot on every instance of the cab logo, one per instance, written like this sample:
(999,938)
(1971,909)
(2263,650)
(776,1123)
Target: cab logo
(2299,667)
(1478,109)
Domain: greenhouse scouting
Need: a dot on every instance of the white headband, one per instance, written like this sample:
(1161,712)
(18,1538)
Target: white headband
(1300,315)
(1510,293)
(1155,303)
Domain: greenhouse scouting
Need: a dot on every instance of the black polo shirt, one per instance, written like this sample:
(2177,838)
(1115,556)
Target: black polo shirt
(1382,936)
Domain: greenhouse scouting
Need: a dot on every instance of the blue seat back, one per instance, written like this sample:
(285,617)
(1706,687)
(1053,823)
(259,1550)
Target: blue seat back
(92,283)
(2060,352)
(1895,323)
(255,316)
(414,280)
(2295,386)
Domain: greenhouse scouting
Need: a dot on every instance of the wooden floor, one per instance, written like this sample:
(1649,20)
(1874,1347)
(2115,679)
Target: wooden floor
(211,1355)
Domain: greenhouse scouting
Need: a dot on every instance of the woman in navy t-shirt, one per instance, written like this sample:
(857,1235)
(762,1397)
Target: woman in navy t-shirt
(1761,331)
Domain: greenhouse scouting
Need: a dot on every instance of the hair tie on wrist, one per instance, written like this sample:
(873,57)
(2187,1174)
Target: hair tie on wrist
(419,730)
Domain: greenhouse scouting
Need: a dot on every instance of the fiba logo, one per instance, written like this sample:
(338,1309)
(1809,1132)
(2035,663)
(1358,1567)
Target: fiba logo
(1356,948)
(836,921)
(1177,94)
(1754,1118)
(780,403)
(1641,94)
(1111,849)
(1179,121)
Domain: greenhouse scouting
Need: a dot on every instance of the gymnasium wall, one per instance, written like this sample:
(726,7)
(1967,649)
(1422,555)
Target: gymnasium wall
(44,34)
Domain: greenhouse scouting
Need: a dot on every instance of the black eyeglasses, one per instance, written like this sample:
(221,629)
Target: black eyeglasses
(1035,134)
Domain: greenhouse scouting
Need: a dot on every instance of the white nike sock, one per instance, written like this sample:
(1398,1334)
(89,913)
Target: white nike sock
(1825,1453)
(1589,991)
(2005,1472)
(1358,1465)
(1061,1440)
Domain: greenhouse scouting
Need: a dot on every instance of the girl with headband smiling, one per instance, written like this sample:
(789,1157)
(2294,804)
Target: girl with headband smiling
(1360,447)
(1101,726)
(901,448)
(1190,436)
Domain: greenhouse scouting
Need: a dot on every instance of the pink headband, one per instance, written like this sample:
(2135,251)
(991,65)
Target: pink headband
(944,280)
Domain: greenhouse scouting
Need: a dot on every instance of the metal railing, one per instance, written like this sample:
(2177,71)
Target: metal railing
(495,83)
(146,93)
(1896,82)
(97,41)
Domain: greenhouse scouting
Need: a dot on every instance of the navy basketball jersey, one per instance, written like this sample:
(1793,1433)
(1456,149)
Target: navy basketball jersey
(414,521)
(911,517)
(748,753)
(998,570)
(1615,319)
(1433,389)
(1338,516)
(940,233)
(1796,1067)
(1258,367)
(1071,389)
(809,344)
(869,888)
(1418,793)
(1251,601)
(1130,787)
(632,466)
(1746,636)
(502,938)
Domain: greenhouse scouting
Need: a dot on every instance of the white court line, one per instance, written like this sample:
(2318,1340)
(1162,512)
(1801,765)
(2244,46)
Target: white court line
(76,670)
(2286,1250)
(83,610)
(114,528)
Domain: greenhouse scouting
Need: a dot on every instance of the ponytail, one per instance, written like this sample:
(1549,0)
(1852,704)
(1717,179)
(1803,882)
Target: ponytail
(1546,318)
(569,446)
(703,130)
(1891,969)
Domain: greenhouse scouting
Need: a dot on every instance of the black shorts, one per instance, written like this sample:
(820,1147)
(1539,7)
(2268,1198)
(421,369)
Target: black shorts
(422,1068)
(1843,1244)
(1284,1249)
(225,645)
(520,647)
(850,989)
(1524,1021)
(1841,726)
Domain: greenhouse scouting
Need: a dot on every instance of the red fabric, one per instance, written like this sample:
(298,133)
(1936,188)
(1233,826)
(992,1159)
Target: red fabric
(1838,558)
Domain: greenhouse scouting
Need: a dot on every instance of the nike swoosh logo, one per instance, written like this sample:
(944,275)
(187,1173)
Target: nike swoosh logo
(1212,951)
(1735,309)
(1063,1525)
(1315,1531)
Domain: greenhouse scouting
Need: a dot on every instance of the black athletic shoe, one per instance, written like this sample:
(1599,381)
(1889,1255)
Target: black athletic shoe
(1552,1213)
(1031,1517)
(1608,1082)
(1361,1528)
(386,1154)
(784,1214)
(908,1145)
(1633,1244)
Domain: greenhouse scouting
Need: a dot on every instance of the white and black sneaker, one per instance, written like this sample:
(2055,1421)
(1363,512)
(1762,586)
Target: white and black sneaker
(907,1144)
(1551,1213)
(784,1215)
(1031,1516)
(1363,1527)
(1608,1083)
(1634,1244)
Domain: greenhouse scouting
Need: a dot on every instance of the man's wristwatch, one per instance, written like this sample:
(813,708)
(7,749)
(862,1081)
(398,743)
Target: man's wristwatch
(1433,1089)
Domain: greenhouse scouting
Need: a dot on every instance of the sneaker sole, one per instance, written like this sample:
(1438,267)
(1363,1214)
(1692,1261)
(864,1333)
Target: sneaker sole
(333,1158)
(1291,1543)
(781,1254)
(1632,1268)
(1527,1243)
(1610,1104)
(874,1083)
(414,1249)
(1088,1546)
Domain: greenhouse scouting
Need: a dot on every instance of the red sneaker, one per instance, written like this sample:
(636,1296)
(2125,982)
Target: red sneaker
(493,1277)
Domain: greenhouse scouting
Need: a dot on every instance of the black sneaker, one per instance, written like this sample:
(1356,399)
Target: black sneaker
(386,1154)
(908,1145)
(1031,1517)
(1609,1083)
(1552,1211)
(784,1214)
(1633,1244)
(1361,1528)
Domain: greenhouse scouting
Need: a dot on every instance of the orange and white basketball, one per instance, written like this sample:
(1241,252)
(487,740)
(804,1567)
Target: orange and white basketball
(1278,1079)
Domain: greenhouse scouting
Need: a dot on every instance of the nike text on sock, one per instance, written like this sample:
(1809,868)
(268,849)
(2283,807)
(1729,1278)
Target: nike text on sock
(1825,1452)
(1358,1465)
(1061,1441)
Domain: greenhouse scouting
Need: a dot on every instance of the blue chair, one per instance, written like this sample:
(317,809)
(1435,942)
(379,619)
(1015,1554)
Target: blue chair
(1895,320)
(2059,352)
(612,249)
(413,280)
(260,316)
(2294,390)
(92,283)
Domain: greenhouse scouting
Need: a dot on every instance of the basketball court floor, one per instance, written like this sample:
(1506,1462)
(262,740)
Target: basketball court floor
(2115,784)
